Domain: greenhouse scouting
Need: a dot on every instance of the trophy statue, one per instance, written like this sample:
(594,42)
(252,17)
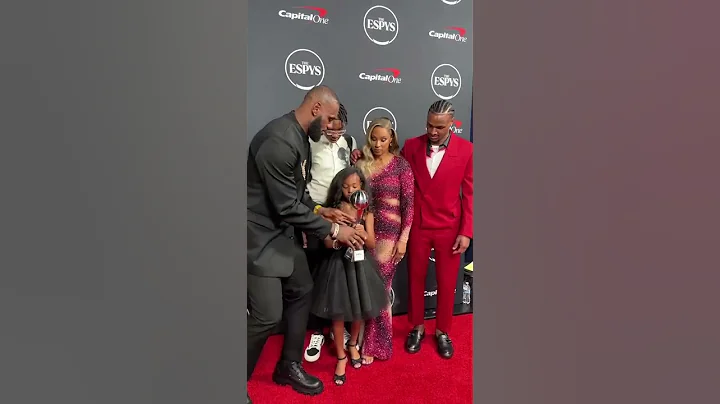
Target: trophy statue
(359,201)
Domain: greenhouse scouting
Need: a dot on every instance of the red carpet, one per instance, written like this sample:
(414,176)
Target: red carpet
(420,378)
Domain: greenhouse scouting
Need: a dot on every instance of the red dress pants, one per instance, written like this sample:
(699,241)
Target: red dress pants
(447,266)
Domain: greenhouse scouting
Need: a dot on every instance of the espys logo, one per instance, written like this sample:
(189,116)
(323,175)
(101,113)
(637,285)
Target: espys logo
(451,2)
(380,25)
(445,81)
(391,76)
(378,112)
(392,297)
(318,17)
(304,69)
(457,34)
(456,127)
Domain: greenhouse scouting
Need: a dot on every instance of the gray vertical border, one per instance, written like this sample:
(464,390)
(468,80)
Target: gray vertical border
(124,202)
(596,137)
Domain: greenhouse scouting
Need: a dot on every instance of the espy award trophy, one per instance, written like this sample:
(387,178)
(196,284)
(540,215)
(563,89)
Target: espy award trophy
(359,201)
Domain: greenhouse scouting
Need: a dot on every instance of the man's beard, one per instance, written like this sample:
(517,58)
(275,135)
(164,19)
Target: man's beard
(315,130)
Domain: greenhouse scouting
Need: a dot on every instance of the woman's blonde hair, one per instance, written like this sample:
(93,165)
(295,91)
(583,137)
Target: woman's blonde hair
(365,163)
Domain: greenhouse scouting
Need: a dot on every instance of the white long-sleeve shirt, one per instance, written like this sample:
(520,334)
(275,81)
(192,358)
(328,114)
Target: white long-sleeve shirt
(328,159)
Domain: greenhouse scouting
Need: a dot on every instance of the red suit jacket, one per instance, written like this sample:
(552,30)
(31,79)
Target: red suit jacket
(444,201)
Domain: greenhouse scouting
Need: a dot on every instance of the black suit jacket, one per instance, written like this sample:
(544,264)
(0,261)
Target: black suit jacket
(278,204)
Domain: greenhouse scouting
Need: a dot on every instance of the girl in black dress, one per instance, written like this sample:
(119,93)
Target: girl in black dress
(345,290)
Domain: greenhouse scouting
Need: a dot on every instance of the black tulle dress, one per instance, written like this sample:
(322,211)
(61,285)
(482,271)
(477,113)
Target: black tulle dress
(347,291)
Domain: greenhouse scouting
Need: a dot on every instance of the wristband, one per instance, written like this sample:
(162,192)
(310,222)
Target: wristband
(335,245)
(317,209)
(335,230)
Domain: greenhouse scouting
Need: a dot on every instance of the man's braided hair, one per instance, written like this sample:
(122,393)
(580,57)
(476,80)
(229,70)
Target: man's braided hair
(342,114)
(442,107)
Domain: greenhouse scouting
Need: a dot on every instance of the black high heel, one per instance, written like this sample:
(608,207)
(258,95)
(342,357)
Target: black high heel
(356,363)
(340,379)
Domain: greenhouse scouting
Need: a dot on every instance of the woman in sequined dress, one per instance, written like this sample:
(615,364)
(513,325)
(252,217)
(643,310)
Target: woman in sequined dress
(391,185)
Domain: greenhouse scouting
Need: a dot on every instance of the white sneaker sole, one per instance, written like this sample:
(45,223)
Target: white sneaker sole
(311,359)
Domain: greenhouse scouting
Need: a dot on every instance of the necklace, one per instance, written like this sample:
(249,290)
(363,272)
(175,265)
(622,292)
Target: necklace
(383,162)
(379,164)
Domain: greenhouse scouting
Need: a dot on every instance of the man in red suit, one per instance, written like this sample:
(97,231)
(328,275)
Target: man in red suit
(442,165)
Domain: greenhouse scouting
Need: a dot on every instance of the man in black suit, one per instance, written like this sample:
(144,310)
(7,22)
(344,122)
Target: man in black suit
(279,209)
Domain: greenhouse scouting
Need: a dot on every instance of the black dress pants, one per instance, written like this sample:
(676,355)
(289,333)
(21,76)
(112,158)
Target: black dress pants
(314,253)
(272,299)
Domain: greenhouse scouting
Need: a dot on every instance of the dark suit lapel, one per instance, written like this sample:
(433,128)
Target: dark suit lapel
(308,158)
(304,163)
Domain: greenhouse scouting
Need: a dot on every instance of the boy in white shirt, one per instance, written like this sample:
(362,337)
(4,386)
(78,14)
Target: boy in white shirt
(330,155)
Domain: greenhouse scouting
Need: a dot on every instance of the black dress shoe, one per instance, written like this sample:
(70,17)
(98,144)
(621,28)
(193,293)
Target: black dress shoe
(444,346)
(412,345)
(293,374)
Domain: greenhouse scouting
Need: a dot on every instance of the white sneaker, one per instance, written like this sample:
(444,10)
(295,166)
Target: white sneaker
(312,352)
(346,338)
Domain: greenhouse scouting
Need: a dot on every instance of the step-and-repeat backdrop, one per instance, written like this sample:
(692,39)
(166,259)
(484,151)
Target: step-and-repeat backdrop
(389,58)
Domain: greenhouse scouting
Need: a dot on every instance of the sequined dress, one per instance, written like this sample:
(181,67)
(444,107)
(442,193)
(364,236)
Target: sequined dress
(392,192)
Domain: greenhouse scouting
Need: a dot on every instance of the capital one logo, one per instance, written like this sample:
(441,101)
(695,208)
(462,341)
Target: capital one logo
(304,69)
(445,81)
(384,75)
(456,127)
(318,17)
(430,293)
(380,25)
(378,112)
(457,34)
(451,2)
